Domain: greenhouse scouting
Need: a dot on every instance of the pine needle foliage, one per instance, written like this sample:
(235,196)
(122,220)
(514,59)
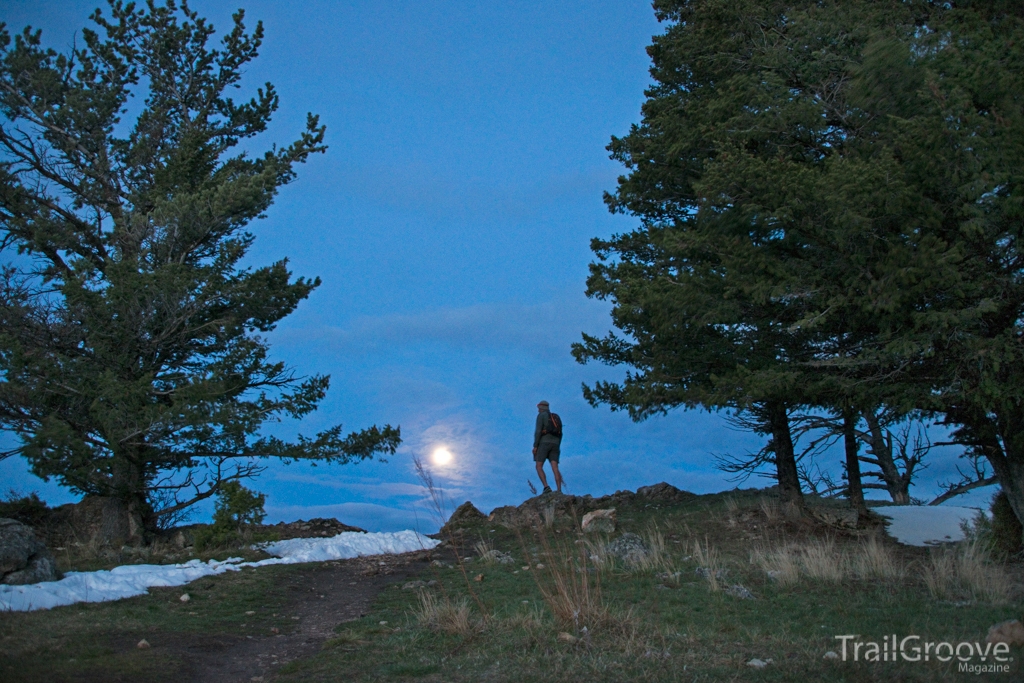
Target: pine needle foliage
(131,357)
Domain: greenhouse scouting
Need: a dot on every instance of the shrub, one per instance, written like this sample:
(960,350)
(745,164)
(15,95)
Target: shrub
(28,509)
(1006,528)
(235,513)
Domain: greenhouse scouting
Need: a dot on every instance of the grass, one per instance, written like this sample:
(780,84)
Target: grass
(588,616)
(96,641)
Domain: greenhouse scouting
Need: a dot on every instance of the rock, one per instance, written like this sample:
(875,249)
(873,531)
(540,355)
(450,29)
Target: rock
(143,644)
(740,592)
(759,663)
(23,557)
(540,510)
(843,518)
(705,573)
(628,547)
(185,597)
(663,492)
(318,527)
(831,655)
(463,515)
(1010,632)
(599,521)
(497,557)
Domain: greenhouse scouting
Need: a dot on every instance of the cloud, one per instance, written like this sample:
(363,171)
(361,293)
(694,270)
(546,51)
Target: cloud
(544,329)
(380,489)
(426,190)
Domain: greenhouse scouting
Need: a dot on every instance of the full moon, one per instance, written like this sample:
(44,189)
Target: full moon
(441,456)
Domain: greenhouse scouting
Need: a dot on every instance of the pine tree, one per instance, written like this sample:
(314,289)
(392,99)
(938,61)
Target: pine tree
(131,361)
(832,188)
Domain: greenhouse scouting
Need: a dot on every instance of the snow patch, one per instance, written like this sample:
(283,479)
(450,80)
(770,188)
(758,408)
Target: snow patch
(926,524)
(135,579)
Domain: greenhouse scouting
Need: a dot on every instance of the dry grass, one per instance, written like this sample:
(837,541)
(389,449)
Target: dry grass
(966,572)
(490,555)
(709,564)
(657,558)
(770,509)
(780,564)
(443,613)
(530,619)
(875,560)
(821,561)
(570,582)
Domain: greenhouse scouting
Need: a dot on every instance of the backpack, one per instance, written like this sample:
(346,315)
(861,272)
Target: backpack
(554,425)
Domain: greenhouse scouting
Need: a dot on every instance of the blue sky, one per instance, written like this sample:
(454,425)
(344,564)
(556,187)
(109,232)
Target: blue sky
(450,221)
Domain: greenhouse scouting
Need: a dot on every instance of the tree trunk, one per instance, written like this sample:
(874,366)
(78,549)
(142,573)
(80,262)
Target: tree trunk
(881,448)
(785,460)
(854,488)
(129,490)
(1008,461)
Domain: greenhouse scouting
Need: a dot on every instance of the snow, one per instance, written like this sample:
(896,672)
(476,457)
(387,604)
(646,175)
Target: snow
(927,524)
(134,579)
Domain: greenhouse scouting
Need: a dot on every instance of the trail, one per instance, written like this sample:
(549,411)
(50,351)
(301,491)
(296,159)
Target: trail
(322,597)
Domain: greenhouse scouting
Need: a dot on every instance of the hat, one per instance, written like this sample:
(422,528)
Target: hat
(543,403)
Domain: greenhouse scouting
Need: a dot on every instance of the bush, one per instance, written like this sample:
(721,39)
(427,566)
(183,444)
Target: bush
(1006,529)
(28,509)
(235,513)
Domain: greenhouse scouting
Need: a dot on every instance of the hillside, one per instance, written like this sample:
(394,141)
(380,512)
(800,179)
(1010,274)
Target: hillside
(686,587)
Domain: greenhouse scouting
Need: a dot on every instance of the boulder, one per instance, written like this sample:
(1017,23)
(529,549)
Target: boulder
(1010,632)
(95,520)
(540,510)
(599,521)
(23,557)
(628,547)
(662,493)
(466,512)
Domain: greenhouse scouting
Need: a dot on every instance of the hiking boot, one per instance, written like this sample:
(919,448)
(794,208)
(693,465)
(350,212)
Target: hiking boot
(547,489)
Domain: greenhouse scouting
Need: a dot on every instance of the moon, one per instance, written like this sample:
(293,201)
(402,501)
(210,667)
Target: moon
(441,456)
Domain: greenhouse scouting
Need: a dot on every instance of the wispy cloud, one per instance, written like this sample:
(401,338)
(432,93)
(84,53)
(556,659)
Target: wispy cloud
(545,329)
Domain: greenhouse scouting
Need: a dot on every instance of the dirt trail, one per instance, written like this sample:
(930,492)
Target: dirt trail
(328,594)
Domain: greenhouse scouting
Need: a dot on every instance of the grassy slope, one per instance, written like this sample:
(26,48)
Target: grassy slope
(96,641)
(680,632)
(683,632)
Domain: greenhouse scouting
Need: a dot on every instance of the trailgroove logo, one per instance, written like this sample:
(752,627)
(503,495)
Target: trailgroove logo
(974,657)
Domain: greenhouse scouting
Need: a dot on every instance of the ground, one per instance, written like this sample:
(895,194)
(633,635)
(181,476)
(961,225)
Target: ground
(564,610)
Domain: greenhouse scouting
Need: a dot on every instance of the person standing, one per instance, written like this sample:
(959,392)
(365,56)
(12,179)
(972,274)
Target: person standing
(547,441)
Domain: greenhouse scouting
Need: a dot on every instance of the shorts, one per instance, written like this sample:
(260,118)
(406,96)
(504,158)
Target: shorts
(547,451)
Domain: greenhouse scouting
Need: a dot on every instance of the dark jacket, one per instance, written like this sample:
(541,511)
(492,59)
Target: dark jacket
(542,421)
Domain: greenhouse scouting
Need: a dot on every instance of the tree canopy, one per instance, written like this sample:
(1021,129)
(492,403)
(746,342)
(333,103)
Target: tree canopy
(830,212)
(132,364)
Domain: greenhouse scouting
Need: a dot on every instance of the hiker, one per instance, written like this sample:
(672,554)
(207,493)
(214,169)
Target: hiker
(547,437)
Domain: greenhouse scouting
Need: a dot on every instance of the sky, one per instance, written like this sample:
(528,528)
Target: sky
(450,222)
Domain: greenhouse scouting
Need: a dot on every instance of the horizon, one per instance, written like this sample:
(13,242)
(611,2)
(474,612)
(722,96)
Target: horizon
(450,222)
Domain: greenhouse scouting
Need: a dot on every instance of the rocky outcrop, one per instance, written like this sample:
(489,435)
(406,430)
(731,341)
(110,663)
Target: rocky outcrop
(663,493)
(599,521)
(628,547)
(543,509)
(318,527)
(23,557)
(463,515)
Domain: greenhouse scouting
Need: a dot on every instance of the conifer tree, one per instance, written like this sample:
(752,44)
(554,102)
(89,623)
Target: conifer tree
(131,361)
(848,173)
